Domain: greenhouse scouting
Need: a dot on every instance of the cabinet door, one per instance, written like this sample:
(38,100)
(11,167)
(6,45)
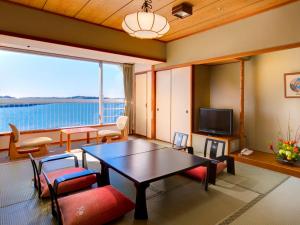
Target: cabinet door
(181,100)
(141,104)
(163,105)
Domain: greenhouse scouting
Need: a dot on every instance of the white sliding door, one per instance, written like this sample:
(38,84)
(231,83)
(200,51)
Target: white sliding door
(163,105)
(181,100)
(141,104)
(149,104)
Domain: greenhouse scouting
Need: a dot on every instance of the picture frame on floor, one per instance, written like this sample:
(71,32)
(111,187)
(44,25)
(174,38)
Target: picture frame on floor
(292,85)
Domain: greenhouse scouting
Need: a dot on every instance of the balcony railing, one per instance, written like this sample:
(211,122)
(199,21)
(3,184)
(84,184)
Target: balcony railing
(38,113)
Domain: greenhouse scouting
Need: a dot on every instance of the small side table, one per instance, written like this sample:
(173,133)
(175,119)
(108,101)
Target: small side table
(79,130)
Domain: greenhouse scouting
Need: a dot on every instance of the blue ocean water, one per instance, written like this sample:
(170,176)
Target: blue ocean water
(57,115)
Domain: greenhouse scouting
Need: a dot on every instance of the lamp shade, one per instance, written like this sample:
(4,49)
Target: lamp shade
(145,25)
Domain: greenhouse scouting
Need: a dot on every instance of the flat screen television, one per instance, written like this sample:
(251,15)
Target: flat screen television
(216,121)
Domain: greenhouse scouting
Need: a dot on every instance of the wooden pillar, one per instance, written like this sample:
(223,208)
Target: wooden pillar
(153,103)
(242,105)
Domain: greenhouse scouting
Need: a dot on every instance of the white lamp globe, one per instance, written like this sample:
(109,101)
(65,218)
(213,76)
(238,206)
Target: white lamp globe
(145,25)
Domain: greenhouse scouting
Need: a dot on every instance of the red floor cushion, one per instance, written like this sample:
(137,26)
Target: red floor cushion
(68,186)
(198,173)
(221,166)
(94,206)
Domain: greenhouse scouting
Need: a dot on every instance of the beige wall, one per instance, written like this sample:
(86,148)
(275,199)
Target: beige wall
(272,109)
(26,21)
(266,108)
(201,88)
(224,91)
(273,28)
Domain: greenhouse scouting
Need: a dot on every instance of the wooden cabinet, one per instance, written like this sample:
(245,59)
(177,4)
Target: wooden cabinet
(173,102)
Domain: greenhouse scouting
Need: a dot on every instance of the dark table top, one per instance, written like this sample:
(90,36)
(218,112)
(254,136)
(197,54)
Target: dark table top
(118,149)
(154,165)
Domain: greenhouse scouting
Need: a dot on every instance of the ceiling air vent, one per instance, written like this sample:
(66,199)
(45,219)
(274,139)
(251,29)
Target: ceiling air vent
(183,10)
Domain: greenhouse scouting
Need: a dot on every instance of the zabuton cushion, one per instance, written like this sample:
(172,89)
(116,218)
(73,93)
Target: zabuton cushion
(221,166)
(198,173)
(95,206)
(68,186)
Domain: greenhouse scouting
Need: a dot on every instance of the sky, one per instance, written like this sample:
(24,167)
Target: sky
(30,75)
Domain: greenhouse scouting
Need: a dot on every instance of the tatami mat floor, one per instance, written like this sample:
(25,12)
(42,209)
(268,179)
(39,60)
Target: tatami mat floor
(175,200)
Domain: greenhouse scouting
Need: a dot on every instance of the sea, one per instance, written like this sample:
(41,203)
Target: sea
(57,115)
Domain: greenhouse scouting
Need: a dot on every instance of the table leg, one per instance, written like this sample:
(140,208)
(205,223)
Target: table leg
(68,143)
(207,175)
(88,137)
(60,139)
(104,174)
(140,202)
(84,164)
(97,137)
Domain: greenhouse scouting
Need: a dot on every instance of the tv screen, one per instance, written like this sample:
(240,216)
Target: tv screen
(216,121)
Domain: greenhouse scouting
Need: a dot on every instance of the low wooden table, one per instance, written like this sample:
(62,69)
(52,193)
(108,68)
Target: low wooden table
(142,162)
(79,130)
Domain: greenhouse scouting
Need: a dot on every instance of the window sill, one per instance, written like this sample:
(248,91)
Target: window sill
(56,129)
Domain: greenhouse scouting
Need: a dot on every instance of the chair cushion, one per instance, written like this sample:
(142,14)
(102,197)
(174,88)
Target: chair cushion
(221,166)
(94,207)
(68,186)
(35,142)
(108,133)
(198,173)
(121,122)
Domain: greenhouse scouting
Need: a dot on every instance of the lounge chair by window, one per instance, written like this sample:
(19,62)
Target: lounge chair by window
(20,149)
(119,133)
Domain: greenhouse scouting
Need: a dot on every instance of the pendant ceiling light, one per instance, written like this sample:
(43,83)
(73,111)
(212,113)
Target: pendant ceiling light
(145,24)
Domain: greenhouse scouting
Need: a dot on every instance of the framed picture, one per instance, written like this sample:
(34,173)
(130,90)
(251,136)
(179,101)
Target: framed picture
(292,85)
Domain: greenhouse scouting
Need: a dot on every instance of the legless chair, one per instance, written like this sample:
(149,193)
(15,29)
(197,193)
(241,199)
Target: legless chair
(110,135)
(37,146)
(219,161)
(180,141)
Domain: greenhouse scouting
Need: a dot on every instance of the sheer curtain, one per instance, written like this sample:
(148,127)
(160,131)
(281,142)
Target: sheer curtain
(128,90)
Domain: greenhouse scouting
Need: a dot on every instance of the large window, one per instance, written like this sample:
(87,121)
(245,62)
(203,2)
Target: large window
(113,92)
(43,92)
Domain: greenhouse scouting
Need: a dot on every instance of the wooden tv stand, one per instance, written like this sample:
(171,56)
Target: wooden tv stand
(227,139)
